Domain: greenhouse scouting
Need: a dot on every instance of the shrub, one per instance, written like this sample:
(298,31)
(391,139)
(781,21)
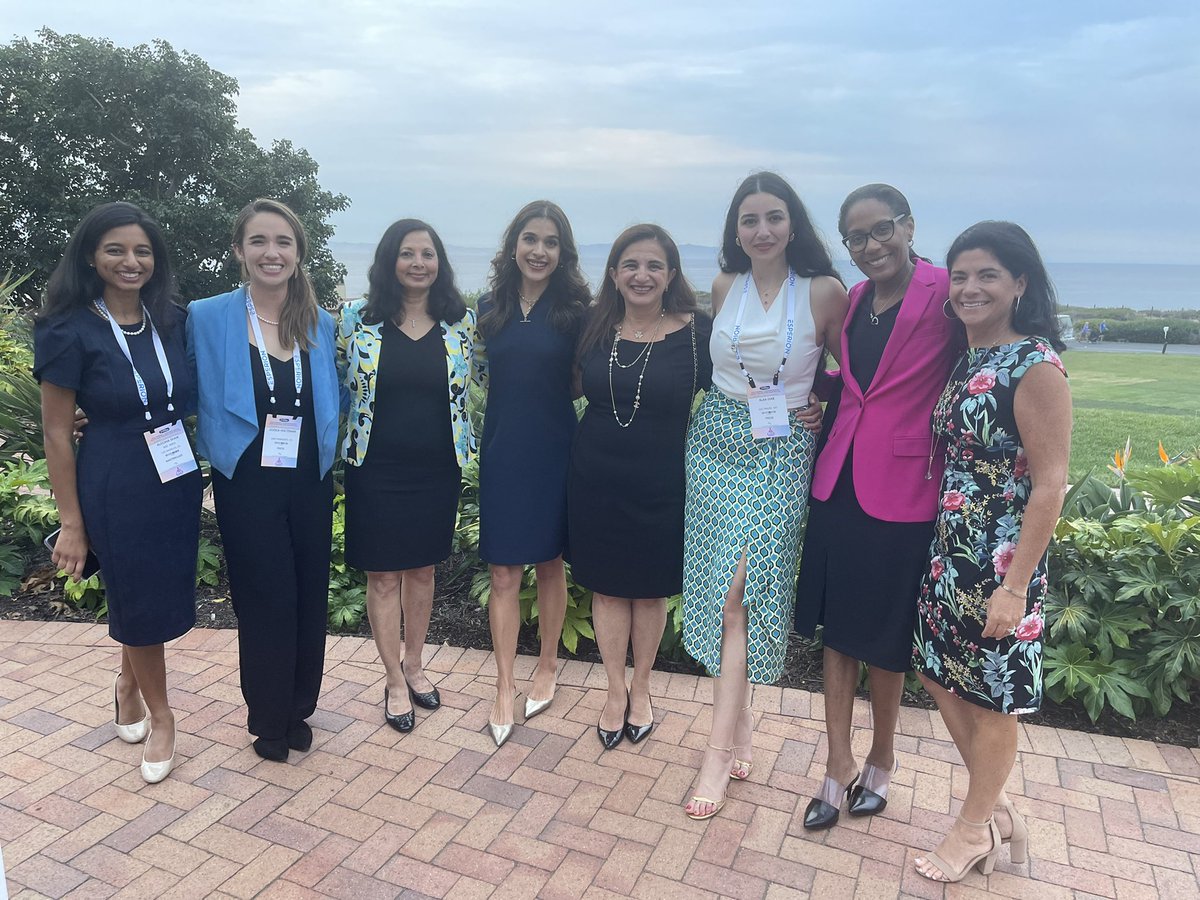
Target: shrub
(27,515)
(1123,610)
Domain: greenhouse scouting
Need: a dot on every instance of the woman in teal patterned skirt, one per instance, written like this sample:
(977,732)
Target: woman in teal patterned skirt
(777,306)
(1006,418)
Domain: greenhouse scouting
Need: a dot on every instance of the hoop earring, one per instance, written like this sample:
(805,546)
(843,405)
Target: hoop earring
(791,237)
(1016,305)
(948,310)
(737,241)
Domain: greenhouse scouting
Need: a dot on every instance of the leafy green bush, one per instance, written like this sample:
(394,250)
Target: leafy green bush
(1123,611)
(27,515)
(347,586)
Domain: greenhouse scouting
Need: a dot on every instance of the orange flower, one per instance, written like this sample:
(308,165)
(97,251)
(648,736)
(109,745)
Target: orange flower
(1121,459)
(1162,453)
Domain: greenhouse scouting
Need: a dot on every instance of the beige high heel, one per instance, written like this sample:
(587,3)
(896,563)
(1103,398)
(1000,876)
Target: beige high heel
(717,805)
(985,861)
(742,764)
(1018,841)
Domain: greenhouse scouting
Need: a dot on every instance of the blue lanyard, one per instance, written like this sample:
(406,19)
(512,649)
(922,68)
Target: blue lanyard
(791,327)
(159,351)
(265,358)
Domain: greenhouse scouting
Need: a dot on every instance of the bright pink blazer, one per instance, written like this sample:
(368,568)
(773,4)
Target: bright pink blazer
(897,464)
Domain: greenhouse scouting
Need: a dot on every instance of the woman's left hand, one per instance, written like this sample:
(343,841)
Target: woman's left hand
(1004,613)
(810,416)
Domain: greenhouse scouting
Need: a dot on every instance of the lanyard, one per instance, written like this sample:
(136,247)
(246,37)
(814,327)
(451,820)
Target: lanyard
(265,358)
(791,327)
(158,351)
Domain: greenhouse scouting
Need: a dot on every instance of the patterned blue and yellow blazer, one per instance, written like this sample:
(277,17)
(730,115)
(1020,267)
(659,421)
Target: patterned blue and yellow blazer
(358,346)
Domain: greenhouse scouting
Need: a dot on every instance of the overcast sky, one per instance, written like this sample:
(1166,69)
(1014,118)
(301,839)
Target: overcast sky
(1079,120)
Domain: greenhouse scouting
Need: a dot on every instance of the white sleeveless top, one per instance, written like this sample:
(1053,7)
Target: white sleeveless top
(764,333)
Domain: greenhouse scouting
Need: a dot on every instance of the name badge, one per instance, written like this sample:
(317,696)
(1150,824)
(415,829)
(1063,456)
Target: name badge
(171,452)
(768,411)
(281,442)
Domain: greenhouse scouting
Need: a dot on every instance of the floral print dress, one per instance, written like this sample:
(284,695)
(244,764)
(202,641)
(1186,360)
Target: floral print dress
(984,492)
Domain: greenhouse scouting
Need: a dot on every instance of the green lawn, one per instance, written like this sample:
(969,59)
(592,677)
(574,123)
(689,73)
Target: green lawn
(1143,396)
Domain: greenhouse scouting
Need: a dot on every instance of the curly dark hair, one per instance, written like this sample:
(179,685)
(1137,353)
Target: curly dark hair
(567,291)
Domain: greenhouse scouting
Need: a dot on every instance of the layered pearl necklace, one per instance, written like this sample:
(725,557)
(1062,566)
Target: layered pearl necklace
(643,356)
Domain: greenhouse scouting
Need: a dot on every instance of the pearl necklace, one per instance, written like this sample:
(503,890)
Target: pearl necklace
(133,333)
(643,355)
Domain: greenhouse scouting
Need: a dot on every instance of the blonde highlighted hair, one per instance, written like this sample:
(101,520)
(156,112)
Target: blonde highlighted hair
(298,318)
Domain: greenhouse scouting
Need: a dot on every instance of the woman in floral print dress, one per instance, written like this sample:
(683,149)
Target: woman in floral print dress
(1006,418)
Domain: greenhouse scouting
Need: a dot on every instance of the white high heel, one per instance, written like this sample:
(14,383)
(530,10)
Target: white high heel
(134,733)
(154,772)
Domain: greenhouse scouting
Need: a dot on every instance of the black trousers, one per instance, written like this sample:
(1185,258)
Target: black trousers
(276,526)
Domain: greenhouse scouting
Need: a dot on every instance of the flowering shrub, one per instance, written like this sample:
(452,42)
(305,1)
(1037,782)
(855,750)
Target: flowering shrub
(1123,611)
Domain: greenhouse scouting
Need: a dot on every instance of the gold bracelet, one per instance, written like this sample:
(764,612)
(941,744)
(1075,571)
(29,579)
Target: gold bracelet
(1005,587)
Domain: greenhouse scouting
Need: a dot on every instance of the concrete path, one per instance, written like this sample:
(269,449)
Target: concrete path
(370,813)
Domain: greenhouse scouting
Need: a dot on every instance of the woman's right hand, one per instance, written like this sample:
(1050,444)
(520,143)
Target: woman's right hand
(80,423)
(71,550)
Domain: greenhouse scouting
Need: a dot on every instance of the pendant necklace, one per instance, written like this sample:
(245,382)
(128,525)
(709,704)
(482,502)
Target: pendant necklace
(526,307)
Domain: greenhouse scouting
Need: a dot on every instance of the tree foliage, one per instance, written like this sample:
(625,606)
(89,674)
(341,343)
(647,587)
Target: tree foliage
(85,121)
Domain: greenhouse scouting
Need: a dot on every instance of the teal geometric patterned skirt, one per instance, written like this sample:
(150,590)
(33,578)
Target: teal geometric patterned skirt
(746,494)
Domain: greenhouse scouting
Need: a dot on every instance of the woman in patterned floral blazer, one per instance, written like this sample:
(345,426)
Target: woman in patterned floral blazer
(404,353)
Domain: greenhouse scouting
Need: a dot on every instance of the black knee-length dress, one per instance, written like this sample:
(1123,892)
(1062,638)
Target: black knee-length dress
(625,489)
(402,501)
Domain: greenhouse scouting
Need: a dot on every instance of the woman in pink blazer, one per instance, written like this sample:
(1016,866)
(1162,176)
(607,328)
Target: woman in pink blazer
(874,491)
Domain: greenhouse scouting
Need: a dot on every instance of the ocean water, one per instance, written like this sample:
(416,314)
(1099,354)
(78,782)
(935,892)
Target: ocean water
(1137,286)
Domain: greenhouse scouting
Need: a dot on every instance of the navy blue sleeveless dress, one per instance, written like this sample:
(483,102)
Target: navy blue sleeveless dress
(527,433)
(145,533)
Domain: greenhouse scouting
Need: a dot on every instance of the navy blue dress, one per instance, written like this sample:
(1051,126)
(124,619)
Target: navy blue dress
(527,433)
(145,533)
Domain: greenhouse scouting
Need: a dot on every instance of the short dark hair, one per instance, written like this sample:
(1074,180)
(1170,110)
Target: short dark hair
(567,291)
(75,282)
(806,252)
(385,295)
(1037,313)
(609,308)
(885,194)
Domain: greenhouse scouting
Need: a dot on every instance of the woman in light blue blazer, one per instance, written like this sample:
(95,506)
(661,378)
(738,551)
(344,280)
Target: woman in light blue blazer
(263,357)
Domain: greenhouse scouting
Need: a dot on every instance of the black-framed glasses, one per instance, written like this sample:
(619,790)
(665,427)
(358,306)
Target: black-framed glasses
(856,241)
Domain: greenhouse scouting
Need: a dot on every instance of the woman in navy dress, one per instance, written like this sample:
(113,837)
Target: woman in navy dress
(111,339)
(528,325)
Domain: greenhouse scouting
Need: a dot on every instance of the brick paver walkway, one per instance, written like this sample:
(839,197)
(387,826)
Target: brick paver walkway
(371,813)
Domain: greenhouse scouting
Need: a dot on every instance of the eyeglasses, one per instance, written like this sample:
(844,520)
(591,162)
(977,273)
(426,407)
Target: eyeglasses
(856,241)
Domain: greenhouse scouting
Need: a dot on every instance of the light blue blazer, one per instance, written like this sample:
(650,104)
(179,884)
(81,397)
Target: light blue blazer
(228,420)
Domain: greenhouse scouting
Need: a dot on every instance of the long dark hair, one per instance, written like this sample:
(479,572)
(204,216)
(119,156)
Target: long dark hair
(298,317)
(806,252)
(609,308)
(567,292)
(385,294)
(1037,312)
(76,283)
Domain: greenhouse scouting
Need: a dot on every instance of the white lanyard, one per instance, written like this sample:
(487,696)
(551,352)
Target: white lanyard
(791,327)
(265,358)
(158,351)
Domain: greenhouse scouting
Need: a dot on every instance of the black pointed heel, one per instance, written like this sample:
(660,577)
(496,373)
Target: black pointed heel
(610,739)
(404,723)
(821,815)
(428,700)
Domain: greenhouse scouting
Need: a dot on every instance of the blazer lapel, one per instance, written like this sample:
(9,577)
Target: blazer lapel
(239,381)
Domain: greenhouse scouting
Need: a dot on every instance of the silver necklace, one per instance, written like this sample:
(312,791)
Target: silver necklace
(644,355)
(133,333)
